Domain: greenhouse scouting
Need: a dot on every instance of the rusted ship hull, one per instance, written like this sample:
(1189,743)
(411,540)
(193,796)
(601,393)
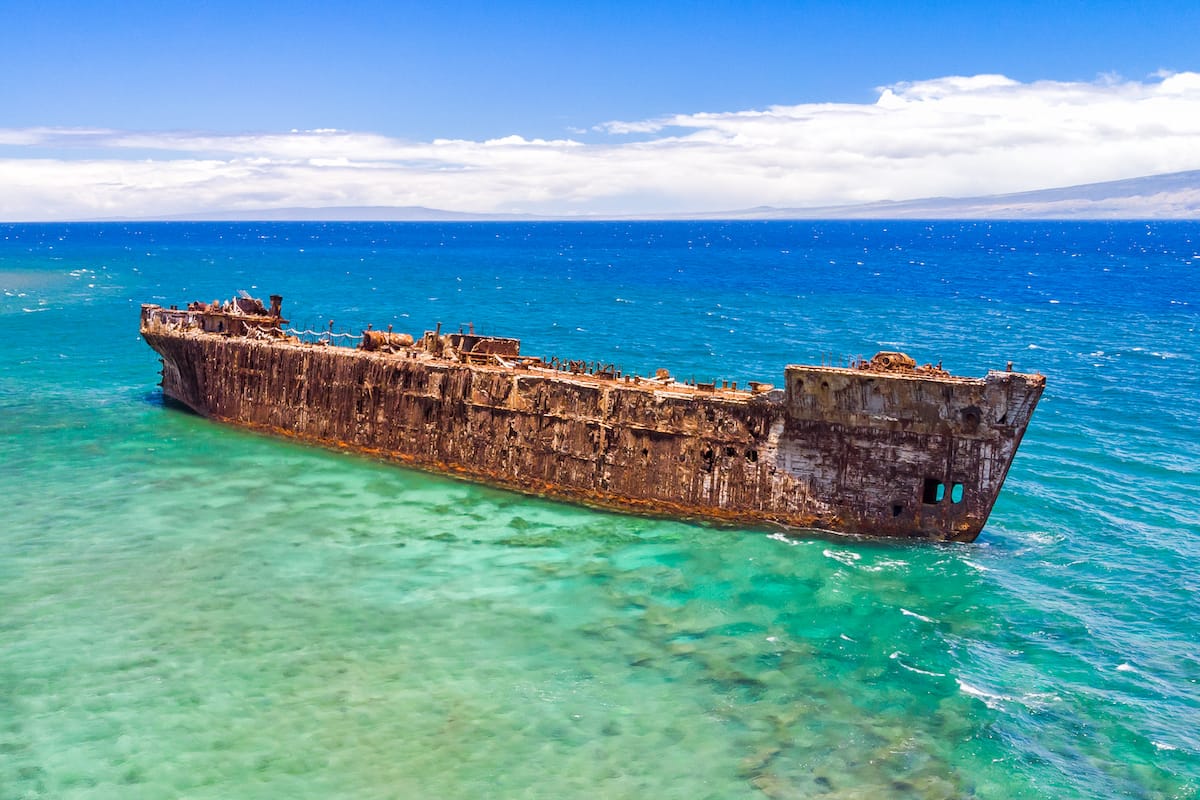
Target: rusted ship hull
(837,449)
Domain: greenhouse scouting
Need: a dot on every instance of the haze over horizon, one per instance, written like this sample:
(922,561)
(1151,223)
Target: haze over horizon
(146,110)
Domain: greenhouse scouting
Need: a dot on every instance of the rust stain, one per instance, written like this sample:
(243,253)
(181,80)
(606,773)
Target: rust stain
(882,447)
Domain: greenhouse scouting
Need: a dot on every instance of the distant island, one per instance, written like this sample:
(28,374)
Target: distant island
(1172,196)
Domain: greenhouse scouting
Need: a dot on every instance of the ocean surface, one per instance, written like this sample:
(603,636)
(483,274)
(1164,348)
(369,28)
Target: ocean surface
(193,611)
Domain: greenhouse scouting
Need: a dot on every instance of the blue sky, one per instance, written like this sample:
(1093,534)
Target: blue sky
(415,73)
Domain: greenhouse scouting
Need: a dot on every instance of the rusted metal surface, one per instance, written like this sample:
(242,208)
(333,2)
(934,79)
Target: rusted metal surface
(891,449)
(386,341)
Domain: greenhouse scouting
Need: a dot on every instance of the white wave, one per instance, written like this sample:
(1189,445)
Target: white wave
(1043,538)
(991,700)
(843,557)
(921,671)
(1038,700)
(1123,667)
(921,617)
(896,657)
(886,563)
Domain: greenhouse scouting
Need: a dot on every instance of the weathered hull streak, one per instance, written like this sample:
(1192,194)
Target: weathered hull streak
(840,449)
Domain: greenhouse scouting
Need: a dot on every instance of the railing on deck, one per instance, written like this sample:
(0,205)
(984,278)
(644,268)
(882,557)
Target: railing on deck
(326,337)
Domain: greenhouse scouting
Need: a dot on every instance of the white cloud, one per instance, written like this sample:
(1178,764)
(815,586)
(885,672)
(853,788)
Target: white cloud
(952,136)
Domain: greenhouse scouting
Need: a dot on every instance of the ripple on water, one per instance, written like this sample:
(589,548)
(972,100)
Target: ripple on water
(193,611)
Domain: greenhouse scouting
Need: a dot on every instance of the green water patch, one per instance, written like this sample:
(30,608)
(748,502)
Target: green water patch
(203,612)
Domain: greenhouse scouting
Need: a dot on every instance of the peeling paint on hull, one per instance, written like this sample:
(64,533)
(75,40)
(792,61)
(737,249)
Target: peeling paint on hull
(916,455)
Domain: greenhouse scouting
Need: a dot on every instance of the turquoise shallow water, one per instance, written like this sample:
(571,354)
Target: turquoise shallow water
(194,611)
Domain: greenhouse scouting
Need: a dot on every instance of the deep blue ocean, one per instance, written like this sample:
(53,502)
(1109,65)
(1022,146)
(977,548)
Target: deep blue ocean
(190,610)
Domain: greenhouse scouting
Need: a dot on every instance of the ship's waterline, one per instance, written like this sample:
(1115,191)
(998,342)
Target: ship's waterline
(883,447)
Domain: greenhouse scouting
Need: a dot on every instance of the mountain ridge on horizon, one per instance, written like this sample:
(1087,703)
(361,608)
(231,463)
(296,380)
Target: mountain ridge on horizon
(1170,196)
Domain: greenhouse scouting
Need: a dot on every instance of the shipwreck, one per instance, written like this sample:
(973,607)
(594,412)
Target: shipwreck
(880,447)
